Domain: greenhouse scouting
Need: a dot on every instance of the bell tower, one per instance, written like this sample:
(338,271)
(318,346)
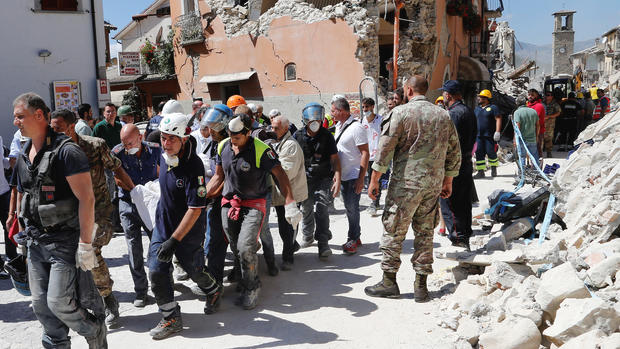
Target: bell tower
(563,43)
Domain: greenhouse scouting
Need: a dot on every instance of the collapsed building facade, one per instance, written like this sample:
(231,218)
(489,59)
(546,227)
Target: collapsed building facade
(287,53)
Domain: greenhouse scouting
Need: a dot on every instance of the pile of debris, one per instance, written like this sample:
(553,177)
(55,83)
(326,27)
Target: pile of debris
(564,292)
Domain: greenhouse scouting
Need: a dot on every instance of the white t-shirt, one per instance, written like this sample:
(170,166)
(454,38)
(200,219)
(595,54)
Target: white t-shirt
(4,184)
(373,132)
(348,151)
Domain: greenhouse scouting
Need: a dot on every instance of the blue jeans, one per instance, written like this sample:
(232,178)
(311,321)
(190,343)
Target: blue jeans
(352,206)
(314,209)
(532,148)
(52,277)
(132,226)
(216,251)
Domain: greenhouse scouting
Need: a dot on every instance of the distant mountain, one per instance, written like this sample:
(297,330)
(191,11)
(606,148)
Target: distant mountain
(542,53)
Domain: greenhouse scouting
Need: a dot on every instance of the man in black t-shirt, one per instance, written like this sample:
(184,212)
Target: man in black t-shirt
(570,117)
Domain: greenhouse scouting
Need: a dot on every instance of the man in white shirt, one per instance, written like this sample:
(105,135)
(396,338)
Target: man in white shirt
(352,144)
(372,123)
(85,113)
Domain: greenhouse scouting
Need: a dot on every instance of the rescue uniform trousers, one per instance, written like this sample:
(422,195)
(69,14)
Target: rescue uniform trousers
(404,207)
(485,147)
(243,235)
(216,252)
(132,226)
(103,235)
(456,210)
(549,132)
(314,209)
(52,277)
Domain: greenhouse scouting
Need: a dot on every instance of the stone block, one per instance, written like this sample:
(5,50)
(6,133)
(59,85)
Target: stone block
(469,330)
(600,275)
(496,243)
(528,288)
(467,295)
(517,229)
(504,276)
(578,316)
(520,307)
(512,333)
(588,340)
(611,342)
(556,285)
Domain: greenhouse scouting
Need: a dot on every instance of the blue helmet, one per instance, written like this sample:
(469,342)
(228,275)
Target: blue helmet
(313,111)
(217,117)
(18,271)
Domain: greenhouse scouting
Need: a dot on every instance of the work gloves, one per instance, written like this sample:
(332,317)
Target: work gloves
(85,257)
(166,250)
(292,214)
(496,136)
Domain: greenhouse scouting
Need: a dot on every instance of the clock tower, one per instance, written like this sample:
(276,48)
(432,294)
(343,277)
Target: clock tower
(563,43)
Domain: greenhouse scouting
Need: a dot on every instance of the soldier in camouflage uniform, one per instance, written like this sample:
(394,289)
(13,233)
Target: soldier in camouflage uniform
(99,158)
(421,141)
(552,111)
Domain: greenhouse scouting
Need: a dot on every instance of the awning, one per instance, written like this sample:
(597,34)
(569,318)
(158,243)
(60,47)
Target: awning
(471,69)
(231,77)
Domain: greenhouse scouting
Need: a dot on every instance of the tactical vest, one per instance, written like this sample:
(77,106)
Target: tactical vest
(44,205)
(315,168)
(259,149)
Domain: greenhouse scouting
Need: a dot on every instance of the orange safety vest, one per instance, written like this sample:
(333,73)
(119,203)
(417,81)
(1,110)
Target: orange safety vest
(597,110)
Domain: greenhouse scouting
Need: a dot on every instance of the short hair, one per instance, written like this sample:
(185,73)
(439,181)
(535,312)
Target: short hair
(283,119)
(243,109)
(64,114)
(368,101)
(533,90)
(32,101)
(83,109)
(342,104)
(571,95)
(521,100)
(109,104)
(157,109)
(400,92)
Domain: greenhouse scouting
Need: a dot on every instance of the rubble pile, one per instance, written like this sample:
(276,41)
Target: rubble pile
(510,87)
(563,293)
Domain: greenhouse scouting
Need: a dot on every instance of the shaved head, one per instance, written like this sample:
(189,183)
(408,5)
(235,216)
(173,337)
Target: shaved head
(129,130)
(418,83)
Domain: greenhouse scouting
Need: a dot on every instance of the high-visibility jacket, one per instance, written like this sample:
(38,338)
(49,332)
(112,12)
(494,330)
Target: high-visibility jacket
(597,110)
(593,93)
(329,123)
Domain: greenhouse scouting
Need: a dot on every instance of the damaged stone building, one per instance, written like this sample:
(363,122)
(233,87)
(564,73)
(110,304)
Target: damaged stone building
(284,54)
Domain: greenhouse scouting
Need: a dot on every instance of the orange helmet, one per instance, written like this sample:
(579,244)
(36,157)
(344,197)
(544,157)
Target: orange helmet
(235,101)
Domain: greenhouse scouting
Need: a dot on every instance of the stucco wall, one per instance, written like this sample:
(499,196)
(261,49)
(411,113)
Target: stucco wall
(145,29)
(68,36)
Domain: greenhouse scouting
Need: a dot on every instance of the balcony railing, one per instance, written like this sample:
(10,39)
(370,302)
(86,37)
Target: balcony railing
(191,29)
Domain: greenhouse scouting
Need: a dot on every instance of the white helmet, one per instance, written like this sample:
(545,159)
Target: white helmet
(274,112)
(171,107)
(253,107)
(175,124)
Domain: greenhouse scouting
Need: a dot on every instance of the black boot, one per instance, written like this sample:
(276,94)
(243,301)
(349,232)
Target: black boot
(493,171)
(420,292)
(479,175)
(111,311)
(385,288)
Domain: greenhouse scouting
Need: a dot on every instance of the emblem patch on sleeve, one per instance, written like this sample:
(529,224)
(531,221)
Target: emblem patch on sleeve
(271,154)
(201,191)
(201,180)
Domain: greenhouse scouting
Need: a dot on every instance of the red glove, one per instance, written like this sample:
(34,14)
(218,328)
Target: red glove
(14,231)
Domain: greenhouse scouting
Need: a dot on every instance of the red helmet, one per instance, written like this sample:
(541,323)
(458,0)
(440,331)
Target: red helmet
(235,101)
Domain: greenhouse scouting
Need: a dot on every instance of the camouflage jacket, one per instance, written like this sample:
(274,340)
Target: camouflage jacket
(99,158)
(421,141)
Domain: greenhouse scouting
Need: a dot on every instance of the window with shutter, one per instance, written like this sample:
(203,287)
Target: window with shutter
(59,5)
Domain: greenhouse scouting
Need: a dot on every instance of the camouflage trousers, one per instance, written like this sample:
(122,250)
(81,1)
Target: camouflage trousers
(403,207)
(103,235)
(549,130)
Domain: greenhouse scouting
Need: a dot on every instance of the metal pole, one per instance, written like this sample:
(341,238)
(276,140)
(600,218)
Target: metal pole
(398,4)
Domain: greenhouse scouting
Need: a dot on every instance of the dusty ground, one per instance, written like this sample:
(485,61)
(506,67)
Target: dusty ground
(318,303)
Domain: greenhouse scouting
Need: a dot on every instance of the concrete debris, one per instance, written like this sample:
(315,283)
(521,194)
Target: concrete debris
(503,275)
(601,274)
(558,284)
(466,295)
(517,229)
(611,342)
(512,333)
(496,243)
(578,316)
(588,340)
(469,330)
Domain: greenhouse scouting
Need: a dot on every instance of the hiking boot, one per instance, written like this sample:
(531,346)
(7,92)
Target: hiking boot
(212,305)
(287,265)
(235,273)
(181,274)
(140,301)
(249,299)
(307,242)
(461,243)
(272,269)
(420,292)
(493,171)
(387,288)
(167,327)
(99,341)
(479,175)
(111,311)
(324,251)
(351,246)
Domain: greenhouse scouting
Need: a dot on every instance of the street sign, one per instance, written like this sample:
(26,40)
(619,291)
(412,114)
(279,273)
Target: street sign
(129,63)
(103,92)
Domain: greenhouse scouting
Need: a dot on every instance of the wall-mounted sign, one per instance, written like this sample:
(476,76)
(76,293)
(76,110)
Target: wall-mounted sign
(103,92)
(67,95)
(129,63)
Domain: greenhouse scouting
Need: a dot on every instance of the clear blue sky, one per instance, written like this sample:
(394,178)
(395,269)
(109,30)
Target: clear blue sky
(531,19)
(533,23)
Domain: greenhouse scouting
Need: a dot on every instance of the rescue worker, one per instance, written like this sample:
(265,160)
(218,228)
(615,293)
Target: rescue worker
(99,159)
(527,122)
(602,107)
(234,101)
(140,160)
(171,106)
(109,128)
(421,142)
(216,119)
(244,164)
(569,121)
(323,177)
(456,209)
(57,212)
(552,111)
(439,102)
(155,119)
(489,122)
(126,115)
(180,223)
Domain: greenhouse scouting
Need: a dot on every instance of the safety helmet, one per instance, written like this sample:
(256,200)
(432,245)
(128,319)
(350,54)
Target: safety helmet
(485,93)
(175,124)
(124,110)
(172,106)
(217,117)
(18,271)
(235,101)
(439,99)
(274,112)
(311,112)
(579,94)
(253,108)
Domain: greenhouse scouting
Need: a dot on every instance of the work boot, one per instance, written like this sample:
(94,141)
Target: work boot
(493,171)
(385,288)
(479,175)
(249,299)
(272,269)
(420,292)
(212,305)
(287,265)
(167,327)
(181,274)
(111,311)
(324,250)
(307,242)
(549,155)
(140,301)
(99,341)
(235,273)
(372,210)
